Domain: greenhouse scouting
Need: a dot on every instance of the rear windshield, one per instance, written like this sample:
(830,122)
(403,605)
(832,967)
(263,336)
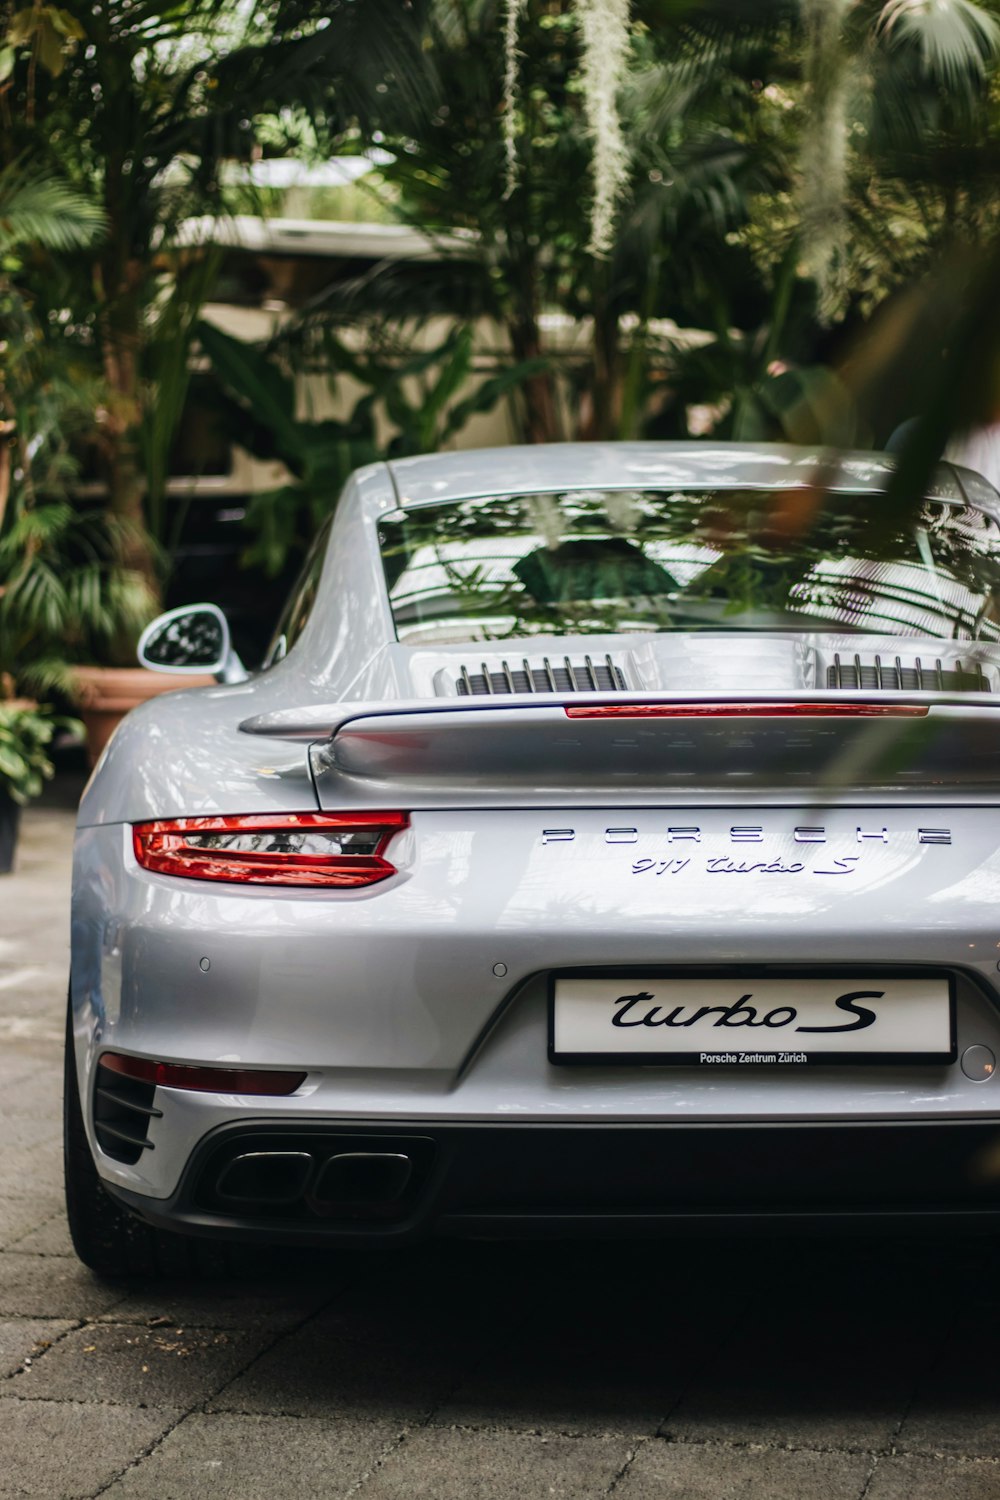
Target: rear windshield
(586,563)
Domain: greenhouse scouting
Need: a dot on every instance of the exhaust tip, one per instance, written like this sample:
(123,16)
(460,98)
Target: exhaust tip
(265,1177)
(363,1177)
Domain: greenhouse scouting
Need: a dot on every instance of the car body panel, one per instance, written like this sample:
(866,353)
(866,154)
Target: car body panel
(537,843)
(315,977)
(435,479)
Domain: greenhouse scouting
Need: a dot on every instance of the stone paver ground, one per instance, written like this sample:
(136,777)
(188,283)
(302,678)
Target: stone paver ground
(751,1369)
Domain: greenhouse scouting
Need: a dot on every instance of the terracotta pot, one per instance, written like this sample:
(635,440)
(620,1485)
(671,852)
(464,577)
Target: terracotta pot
(104,695)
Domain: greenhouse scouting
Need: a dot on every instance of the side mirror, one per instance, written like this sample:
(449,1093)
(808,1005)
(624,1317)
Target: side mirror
(191,640)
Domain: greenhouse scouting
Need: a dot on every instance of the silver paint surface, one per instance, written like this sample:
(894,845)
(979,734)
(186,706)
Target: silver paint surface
(425,997)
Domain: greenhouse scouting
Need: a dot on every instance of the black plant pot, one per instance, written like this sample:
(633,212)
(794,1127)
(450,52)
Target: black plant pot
(10,818)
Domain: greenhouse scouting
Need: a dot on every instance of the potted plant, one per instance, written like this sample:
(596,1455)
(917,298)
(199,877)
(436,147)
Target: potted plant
(65,598)
(190,82)
(26,732)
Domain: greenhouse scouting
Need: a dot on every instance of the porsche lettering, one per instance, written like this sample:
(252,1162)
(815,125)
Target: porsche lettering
(751,833)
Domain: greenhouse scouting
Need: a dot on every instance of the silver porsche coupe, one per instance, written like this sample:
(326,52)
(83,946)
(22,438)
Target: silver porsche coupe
(610,842)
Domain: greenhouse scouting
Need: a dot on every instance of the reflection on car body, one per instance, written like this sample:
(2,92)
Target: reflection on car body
(610,840)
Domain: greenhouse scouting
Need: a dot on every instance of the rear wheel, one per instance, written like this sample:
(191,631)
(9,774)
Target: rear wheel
(105,1237)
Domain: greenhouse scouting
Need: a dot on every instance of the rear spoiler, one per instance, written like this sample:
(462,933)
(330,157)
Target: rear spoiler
(812,743)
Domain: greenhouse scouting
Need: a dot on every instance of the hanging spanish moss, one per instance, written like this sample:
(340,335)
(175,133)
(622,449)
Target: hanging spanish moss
(823,154)
(513,10)
(604,25)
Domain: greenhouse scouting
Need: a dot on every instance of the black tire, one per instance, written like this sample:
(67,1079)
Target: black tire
(105,1237)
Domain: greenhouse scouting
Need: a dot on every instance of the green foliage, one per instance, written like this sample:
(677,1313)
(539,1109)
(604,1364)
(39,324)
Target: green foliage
(414,393)
(25,735)
(47,30)
(63,593)
(66,598)
(41,208)
(140,103)
(171,327)
(256,403)
(765,149)
(955,39)
(697,151)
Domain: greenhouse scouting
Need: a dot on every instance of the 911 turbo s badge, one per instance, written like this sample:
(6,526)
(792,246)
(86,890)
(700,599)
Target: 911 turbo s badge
(866,837)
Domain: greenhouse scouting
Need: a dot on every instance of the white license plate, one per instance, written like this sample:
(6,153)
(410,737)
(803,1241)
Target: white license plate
(722,1020)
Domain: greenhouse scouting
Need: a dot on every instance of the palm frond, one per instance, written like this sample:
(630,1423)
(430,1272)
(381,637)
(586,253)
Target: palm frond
(955,39)
(38,208)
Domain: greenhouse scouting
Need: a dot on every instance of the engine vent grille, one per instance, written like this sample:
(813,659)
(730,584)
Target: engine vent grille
(123,1108)
(924,676)
(566,677)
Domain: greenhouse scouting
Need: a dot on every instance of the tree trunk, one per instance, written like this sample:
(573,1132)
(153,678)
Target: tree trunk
(541,423)
(6,464)
(120,280)
(602,414)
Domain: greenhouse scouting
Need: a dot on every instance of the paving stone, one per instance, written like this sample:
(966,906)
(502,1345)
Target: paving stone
(19,1216)
(256,1458)
(911,1478)
(843,1385)
(26,986)
(457,1465)
(698,1471)
(51,1238)
(27,1338)
(555,1383)
(36,1038)
(233,1305)
(957,1405)
(16,1071)
(64,1450)
(26,1171)
(619,1367)
(413,1296)
(166,1366)
(16,1130)
(32,1096)
(309,1373)
(35,1286)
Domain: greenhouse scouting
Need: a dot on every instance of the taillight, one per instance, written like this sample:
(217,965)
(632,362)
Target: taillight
(203,1080)
(300,849)
(744,710)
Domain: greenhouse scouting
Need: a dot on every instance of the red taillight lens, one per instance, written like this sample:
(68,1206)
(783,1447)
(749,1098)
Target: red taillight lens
(744,710)
(203,1080)
(344,850)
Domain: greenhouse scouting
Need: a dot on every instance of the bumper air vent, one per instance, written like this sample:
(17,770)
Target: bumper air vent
(123,1108)
(566,677)
(886,676)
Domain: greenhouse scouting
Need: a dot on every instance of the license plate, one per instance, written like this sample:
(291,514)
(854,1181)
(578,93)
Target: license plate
(726,1020)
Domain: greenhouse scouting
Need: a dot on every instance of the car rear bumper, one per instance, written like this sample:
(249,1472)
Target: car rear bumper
(425,1005)
(529,1180)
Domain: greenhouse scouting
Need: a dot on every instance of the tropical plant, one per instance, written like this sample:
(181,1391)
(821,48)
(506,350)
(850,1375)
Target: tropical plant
(61,591)
(144,100)
(694,156)
(814,133)
(411,403)
(887,84)
(36,209)
(26,733)
(44,211)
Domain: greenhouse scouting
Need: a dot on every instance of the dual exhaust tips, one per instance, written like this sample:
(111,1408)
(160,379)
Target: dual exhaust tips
(346,1180)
